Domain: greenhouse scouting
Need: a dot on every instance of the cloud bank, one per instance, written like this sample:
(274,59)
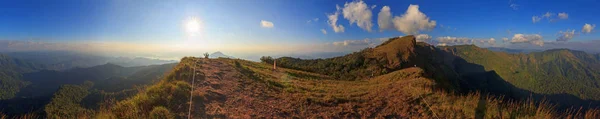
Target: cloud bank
(533,39)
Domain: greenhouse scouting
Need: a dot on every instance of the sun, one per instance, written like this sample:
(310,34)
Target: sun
(193,26)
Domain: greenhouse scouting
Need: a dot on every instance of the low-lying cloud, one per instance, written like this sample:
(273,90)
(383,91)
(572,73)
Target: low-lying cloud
(533,39)
(423,38)
(352,42)
(449,41)
(566,36)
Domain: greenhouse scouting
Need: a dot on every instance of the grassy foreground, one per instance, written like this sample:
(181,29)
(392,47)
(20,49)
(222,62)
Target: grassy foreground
(231,88)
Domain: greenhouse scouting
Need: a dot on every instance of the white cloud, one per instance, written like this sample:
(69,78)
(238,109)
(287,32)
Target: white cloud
(352,42)
(373,6)
(548,15)
(333,22)
(535,19)
(446,27)
(492,41)
(563,15)
(266,24)
(514,6)
(588,28)
(324,31)
(533,39)
(423,38)
(413,21)
(504,40)
(384,18)
(448,41)
(358,12)
(312,20)
(566,36)
(454,40)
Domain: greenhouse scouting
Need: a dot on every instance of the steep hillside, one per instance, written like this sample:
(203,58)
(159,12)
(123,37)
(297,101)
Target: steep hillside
(392,55)
(11,70)
(226,88)
(108,77)
(551,72)
(109,83)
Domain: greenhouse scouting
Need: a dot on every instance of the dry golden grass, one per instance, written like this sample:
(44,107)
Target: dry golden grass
(243,89)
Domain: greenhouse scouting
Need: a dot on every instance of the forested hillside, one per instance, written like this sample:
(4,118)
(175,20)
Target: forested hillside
(551,72)
(11,71)
(103,83)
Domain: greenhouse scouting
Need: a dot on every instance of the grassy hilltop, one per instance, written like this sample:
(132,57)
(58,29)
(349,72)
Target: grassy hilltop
(233,88)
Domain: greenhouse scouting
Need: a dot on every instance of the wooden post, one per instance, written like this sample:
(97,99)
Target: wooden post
(274,64)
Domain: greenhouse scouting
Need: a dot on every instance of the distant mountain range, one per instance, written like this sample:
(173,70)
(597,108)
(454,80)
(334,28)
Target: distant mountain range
(27,84)
(26,87)
(63,60)
(219,54)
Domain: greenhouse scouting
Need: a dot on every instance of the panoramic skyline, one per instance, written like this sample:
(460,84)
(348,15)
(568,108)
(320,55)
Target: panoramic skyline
(249,29)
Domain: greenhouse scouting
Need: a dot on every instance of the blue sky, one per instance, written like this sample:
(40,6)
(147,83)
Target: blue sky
(225,23)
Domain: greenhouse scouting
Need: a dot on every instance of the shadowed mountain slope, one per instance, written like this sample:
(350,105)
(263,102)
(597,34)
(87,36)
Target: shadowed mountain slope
(551,72)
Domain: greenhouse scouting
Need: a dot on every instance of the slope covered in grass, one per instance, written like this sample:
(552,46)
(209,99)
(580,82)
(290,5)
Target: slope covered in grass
(392,55)
(550,72)
(229,88)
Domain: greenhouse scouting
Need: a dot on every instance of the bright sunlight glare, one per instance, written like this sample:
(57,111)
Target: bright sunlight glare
(193,26)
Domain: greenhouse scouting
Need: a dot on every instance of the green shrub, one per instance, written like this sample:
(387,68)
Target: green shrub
(65,102)
(161,112)
(126,109)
